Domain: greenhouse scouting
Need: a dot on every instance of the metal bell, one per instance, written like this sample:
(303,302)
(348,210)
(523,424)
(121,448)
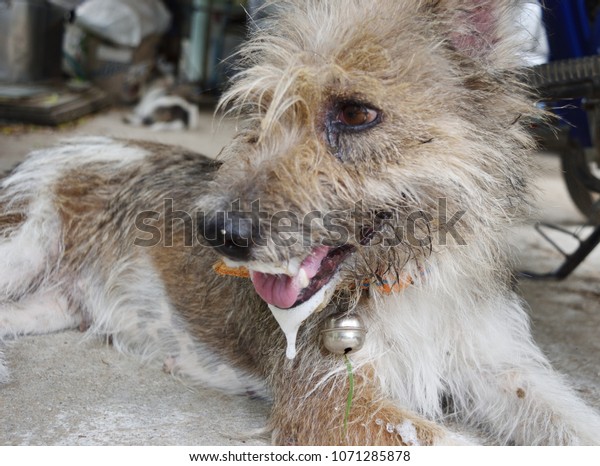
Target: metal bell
(343,334)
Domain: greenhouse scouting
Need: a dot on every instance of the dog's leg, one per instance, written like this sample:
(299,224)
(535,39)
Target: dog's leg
(29,247)
(531,405)
(519,396)
(313,412)
(41,312)
(37,313)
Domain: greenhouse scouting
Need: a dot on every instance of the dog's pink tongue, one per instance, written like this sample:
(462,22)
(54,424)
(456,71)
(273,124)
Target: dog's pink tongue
(281,290)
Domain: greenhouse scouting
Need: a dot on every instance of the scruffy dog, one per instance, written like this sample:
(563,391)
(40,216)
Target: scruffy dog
(382,155)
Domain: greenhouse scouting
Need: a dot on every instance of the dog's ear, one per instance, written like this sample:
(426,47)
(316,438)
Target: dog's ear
(479,29)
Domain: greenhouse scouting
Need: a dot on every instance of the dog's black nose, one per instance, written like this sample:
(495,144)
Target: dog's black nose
(231,234)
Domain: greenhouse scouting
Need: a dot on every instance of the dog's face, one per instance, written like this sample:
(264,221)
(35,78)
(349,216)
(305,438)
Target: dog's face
(376,134)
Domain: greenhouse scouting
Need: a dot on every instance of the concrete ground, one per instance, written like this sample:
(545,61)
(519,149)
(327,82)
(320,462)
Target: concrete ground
(68,390)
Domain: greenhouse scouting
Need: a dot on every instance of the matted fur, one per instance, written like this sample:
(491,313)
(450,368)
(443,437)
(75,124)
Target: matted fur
(453,348)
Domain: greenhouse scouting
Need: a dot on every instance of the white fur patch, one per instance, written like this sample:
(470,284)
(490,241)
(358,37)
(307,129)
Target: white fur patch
(433,340)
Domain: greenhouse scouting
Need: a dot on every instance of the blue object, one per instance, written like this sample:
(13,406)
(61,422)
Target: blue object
(568,28)
(572,34)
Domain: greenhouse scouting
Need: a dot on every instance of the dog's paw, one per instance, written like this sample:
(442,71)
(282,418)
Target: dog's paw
(169,364)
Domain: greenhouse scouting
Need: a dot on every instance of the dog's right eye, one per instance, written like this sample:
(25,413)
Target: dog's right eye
(357,116)
(347,117)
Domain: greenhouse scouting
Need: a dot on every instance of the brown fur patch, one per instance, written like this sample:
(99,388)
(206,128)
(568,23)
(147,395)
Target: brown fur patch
(11,220)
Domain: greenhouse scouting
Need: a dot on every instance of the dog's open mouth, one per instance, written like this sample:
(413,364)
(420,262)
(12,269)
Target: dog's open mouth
(301,290)
(289,291)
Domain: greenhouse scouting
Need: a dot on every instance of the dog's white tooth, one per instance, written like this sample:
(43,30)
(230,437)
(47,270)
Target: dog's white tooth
(290,268)
(303,279)
(293,267)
